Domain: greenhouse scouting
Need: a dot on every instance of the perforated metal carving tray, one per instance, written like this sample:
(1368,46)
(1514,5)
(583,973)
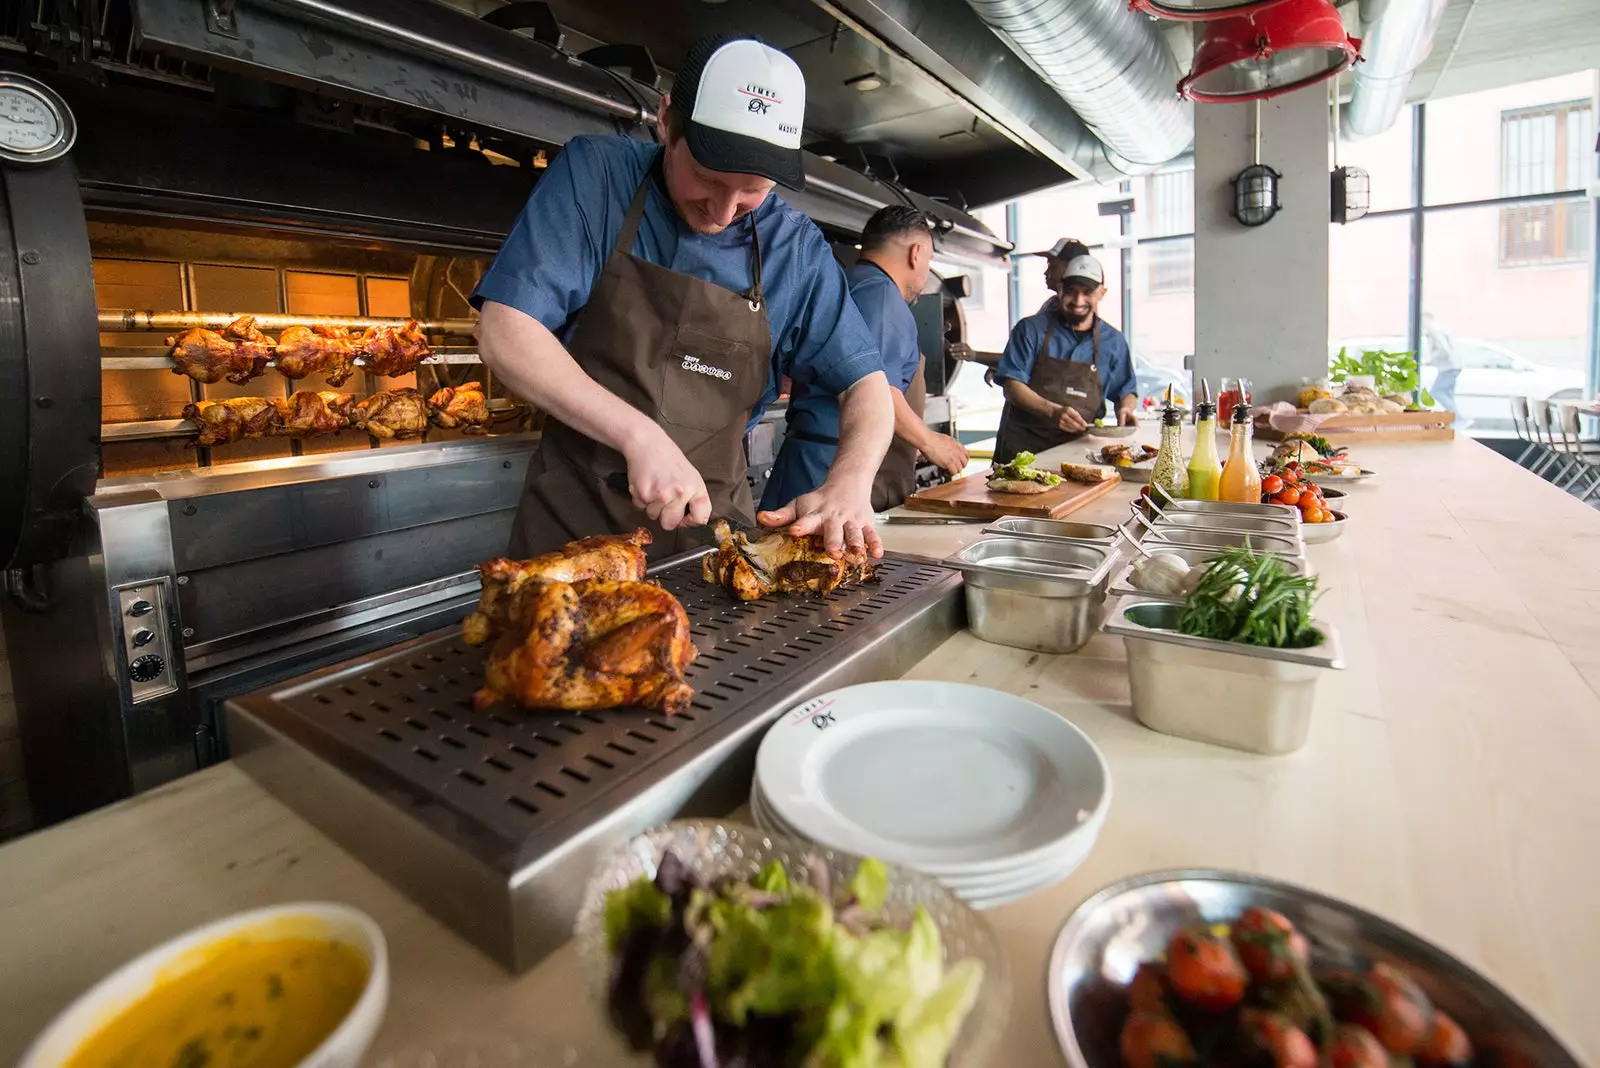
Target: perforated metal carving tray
(494,818)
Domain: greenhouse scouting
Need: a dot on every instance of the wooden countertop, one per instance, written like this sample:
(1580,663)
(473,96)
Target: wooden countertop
(1452,783)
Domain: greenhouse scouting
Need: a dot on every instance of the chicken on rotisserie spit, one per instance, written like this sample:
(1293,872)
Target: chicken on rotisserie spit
(780,563)
(614,557)
(393,350)
(316,350)
(309,412)
(239,352)
(462,408)
(592,644)
(223,422)
(399,413)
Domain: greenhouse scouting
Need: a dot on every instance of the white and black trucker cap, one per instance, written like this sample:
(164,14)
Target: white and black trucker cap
(745,103)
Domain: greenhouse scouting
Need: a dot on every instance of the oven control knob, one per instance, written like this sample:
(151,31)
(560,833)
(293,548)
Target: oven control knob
(147,668)
(143,636)
(141,607)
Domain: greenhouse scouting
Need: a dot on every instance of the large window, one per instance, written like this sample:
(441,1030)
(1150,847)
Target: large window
(1169,210)
(1543,150)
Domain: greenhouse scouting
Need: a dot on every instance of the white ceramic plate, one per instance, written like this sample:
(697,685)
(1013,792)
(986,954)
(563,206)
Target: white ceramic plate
(952,779)
(1138,473)
(1342,480)
(1049,870)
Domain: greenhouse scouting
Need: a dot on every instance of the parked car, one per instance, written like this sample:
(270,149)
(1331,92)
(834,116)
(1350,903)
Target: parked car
(1491,375)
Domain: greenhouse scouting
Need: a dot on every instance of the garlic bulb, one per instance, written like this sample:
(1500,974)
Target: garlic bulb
(1165,574)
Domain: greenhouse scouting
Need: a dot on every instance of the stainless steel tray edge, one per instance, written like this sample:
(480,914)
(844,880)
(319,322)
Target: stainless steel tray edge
(1328,654)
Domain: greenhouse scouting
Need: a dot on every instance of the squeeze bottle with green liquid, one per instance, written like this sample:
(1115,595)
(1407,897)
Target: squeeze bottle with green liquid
(1205,469)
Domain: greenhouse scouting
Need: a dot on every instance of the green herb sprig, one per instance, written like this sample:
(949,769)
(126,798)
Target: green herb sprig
(1393,372)
(1253,599)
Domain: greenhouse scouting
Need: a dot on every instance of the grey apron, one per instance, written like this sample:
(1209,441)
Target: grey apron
(1068,382)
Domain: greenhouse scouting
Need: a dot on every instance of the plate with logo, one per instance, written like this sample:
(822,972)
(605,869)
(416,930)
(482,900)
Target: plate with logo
(983,789)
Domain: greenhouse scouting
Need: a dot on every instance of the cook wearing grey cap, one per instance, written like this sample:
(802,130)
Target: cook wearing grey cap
(1056,258)
(1061,365)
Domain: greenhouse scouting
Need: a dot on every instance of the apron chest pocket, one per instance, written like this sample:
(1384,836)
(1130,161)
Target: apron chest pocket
(708,382)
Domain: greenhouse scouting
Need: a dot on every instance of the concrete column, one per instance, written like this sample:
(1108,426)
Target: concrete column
(1261,293)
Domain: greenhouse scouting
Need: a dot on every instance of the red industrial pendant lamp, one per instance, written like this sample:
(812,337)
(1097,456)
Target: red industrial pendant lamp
(1284,46)
(1201,10)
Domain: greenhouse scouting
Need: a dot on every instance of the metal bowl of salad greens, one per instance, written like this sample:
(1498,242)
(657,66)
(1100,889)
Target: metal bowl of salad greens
(712,943)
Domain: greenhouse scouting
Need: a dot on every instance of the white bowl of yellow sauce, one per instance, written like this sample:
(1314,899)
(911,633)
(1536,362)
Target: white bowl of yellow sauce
(291,986)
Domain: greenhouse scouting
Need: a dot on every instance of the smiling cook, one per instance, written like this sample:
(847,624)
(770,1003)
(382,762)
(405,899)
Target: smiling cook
(649,299)
(1060,366)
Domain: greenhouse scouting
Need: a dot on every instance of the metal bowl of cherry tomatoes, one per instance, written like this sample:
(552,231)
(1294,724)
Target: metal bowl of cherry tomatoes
(1204,967)
(1289,486)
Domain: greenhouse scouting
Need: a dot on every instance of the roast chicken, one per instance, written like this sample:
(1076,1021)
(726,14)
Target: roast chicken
(393,350)
(612,557)
(238,352)
(316,350)
(306,412)
(462,408)
(223,422)
(780,563)
(400,413)
(598,643)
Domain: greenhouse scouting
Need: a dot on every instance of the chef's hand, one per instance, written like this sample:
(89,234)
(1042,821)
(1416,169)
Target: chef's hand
(1126,417)
(840,512)
(663,482)
(1071,420)
(947,452)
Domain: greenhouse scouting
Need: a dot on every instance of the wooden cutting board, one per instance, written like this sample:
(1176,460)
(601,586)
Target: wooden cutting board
(970,497)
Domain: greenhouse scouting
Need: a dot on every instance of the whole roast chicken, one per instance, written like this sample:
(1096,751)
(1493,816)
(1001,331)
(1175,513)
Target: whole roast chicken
(238,352)
(597,643)
(393,350)
(778,562)
(400,413)
(613,557)
(223,422)
(462,408)
(316,350)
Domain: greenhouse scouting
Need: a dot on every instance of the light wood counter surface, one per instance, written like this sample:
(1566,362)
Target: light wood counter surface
(1451,783)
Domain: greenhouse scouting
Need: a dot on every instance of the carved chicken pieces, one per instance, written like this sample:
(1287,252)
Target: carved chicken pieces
(780,563)
(578,628)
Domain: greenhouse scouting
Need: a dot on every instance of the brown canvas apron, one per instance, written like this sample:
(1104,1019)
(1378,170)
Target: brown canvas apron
(1069,382)
(688,353)
(897,475)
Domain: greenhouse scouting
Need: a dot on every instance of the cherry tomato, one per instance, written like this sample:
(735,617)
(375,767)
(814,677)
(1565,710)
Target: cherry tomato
(1288,495)
(1268,945)
(1354,1047)
(1154,1040)
(1386,1002)
(1271,484)
(1308,501)
(1274,1035)
(1311,515)
(1312,487)
(1148,989)
(1446,1046)
(1205,971)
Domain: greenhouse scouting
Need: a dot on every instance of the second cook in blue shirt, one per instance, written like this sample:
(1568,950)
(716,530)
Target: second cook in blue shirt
(896,258)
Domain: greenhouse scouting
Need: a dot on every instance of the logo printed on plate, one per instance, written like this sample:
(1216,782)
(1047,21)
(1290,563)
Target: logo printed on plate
(813,712)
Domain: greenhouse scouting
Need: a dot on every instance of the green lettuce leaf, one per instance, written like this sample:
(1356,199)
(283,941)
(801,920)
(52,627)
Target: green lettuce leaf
(924,1032)
(639,904)
(772,878)
(870,887)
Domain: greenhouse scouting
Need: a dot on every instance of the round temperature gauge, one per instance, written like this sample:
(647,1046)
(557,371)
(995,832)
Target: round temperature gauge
(35,125)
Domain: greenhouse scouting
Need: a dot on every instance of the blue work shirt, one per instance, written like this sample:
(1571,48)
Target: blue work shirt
(802,465)
(554,255)
(1116,362)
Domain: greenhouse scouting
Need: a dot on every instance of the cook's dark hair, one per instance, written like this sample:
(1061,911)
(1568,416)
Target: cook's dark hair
(891,222)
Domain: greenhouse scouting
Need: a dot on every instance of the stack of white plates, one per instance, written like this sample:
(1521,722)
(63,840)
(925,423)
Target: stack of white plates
(995,796)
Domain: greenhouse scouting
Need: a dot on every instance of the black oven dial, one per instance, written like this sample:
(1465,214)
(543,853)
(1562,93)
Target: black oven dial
(147,668)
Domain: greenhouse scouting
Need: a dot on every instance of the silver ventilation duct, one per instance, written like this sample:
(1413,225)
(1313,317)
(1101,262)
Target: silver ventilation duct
(1394,47)
(1110,64)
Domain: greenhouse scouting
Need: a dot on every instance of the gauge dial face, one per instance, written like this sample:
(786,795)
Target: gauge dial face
(28,124)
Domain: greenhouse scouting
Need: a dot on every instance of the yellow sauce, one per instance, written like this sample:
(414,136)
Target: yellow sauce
(248,1003)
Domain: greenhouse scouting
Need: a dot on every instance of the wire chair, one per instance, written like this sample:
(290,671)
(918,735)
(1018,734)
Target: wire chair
(1585,455)
(1520,421)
